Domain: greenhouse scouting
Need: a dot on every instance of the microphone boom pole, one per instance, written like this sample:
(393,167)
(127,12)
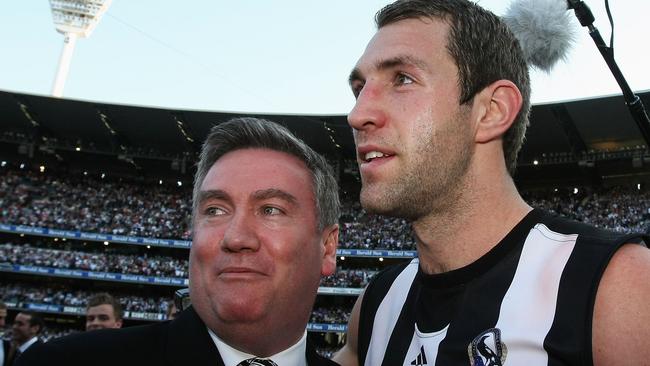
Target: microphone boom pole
(634,103)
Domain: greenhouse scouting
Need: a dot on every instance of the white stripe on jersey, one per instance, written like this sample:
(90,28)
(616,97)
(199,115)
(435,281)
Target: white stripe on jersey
(388,313)
(528,308)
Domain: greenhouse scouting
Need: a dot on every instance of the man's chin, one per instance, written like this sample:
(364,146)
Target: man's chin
(241,314)
(373,201)
(380,205)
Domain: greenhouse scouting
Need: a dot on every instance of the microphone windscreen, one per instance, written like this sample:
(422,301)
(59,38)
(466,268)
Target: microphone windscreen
(543,28)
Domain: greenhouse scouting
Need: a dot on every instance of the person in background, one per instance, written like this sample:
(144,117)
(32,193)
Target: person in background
(442,103)
(6,344)
(265,230)
(103,311)
(24,334)
(3,316)
(172,311)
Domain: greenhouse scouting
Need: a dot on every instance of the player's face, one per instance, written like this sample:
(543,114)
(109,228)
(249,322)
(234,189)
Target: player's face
(101,317)
(257,254)
(414,144)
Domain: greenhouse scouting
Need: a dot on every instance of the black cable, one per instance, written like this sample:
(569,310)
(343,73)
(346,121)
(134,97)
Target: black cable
(611,23)
(634,103)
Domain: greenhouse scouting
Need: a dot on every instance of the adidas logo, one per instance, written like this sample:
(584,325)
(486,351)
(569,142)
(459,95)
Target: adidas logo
(421,359)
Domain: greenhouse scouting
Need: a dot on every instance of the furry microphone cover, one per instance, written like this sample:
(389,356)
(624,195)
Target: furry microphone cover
(544,30)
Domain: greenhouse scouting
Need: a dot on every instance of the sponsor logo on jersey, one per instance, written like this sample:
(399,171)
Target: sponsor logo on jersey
(421,359)
(487,349)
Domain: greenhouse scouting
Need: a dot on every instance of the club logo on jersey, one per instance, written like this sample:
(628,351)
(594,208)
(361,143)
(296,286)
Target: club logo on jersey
(487,349)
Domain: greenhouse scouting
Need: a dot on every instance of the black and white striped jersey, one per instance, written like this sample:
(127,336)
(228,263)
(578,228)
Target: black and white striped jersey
(529,301)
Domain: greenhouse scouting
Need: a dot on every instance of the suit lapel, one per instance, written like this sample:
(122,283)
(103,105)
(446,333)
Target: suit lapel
(189,342)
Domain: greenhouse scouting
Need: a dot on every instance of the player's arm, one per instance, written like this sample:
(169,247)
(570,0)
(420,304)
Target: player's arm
(348,355)
(621,324)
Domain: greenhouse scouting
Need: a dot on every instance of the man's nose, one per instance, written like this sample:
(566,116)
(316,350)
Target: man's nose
(369,109)
(241,234)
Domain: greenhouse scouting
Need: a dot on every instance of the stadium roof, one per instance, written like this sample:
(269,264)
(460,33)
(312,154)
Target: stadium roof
(577,131)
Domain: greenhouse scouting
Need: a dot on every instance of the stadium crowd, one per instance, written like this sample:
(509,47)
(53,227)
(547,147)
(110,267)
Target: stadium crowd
(622,209)
(160,266)
(149,265)
(52,294)
(94,205)
(128,208)
(330,315)
(22,294)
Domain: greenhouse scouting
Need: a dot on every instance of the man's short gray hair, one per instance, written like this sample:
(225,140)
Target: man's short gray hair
(248,132)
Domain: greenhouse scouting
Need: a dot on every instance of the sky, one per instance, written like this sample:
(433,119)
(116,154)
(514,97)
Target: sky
(278,57)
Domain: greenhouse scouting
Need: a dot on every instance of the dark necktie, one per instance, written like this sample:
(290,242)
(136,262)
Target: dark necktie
(257,362)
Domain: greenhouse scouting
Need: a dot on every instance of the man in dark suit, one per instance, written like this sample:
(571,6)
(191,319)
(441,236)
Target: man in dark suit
(265,229)
(24,334)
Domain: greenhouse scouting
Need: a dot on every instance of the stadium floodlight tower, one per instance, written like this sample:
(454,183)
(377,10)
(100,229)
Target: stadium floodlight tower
(74,19)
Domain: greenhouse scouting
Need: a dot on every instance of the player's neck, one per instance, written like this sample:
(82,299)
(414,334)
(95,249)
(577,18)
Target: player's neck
(481,215)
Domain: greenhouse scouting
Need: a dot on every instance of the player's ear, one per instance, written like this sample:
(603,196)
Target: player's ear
(499,103)
(329,242)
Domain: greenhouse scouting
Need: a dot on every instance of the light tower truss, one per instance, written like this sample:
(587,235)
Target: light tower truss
(74,19)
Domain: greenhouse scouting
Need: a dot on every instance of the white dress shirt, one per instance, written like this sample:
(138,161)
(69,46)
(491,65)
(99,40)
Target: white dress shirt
(26,345)
(292,356)
(2,352)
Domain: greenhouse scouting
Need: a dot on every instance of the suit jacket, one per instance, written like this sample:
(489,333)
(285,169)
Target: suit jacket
(6,346)
(180,342)
(12,354)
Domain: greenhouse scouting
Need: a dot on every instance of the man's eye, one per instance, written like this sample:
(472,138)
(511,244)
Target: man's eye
(214,211)
(402,79)
(356,88)
(271,211)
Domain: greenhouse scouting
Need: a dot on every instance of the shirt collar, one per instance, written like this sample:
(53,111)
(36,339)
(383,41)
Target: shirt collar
(294,355)
(27,344)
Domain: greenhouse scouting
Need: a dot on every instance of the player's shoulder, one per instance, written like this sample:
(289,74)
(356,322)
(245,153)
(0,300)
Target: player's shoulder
(587,232)
(620,315)
(629,266)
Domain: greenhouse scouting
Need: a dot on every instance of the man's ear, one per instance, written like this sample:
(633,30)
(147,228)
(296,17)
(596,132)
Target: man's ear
(500,103)
(330,242)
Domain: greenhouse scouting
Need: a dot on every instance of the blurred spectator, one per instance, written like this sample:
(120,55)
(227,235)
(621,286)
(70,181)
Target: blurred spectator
(172,311)
(24,333)
(3,316)
(6,344)
(103,311)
